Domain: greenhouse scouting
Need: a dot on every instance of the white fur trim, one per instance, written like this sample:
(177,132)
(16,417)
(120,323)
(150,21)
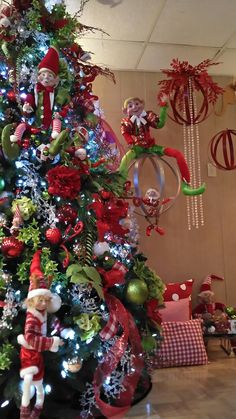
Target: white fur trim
(54,134)
(54,304)
(41,316)
(21,340)
(13,138)
(39,291)
(55,345)
(29,370)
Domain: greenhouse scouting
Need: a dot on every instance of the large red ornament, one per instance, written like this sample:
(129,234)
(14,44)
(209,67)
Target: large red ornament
(222,150)
(184,82)
(11,247)
(53,235)
(66,214)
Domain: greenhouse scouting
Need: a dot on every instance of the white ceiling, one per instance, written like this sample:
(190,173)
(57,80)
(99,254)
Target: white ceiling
(145,35)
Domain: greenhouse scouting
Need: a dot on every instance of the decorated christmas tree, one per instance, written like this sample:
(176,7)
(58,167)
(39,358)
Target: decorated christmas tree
(79,306)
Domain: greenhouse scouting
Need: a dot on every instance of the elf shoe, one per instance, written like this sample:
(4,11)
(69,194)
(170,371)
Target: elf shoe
(188,190)
(35,414)
(25,412)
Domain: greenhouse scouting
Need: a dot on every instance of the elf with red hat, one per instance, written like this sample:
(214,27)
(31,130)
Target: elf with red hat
(46,95)
(39,302)
(206,306)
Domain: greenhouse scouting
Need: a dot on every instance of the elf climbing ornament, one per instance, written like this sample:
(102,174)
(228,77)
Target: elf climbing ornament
(191,90)
(135,128)
(34,341)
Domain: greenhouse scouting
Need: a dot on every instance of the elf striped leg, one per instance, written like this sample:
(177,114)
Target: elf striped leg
(56,128)
(19,132)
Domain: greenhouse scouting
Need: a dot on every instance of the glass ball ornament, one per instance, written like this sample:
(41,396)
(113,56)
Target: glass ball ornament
(136,291)
(100,248)
(66,214)
(74,365)
(2,183)
(3,220)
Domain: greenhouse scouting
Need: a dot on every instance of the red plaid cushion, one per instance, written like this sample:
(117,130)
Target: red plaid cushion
(182,345)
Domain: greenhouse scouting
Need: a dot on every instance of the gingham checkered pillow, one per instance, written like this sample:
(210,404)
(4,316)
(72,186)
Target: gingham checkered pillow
(182,345)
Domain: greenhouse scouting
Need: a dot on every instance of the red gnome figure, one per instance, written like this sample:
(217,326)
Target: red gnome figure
(207,307)
(39,302)
(135,128)
(46,95)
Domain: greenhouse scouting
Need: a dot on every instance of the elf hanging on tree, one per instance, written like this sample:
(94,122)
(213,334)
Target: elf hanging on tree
(39,302)
(47,94)
(135,128)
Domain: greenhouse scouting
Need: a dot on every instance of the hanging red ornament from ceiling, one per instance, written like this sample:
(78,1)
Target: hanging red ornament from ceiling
(222,151)
(184,81)
(191,93)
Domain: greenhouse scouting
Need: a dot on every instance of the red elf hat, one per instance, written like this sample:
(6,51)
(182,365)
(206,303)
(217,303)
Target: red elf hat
(50,61)
(38,287)
(206,285)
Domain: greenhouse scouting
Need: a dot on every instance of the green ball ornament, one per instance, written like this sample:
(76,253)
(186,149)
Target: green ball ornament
(45,195)
(137,291)
(149,343)
(2,184)
(37,141)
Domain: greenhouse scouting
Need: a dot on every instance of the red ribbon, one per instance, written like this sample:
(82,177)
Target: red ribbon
(113,357)
(115,276)
(108,214)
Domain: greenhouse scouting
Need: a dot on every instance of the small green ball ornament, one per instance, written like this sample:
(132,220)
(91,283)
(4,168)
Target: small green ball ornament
(2,184)
(37,141)
(46,195)
(137,291)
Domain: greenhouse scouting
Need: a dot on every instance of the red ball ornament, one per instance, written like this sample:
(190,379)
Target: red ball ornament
(66,214)
(34,130)
(11,247)
(222,150)
(53,235)
(11,96)
(105,194)
(26,143)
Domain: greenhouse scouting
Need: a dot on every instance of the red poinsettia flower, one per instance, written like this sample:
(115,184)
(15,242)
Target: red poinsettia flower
(152,310)
(64,182)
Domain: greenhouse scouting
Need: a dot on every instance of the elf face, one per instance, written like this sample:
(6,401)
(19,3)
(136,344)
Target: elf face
(81,154)
(134,107)
(47,78)
(42,303)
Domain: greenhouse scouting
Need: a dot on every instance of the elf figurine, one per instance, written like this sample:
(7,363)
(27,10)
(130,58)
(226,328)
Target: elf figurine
(207,307)
(46,95)
(39,302)
(81,160)
(135,128)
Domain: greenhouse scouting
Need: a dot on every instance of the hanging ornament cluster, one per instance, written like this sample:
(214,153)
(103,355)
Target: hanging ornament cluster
(191,93)
(152,203)
(222,151)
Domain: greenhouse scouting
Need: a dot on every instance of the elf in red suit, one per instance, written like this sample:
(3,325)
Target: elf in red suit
(39,301)
(135,128)
(207,307)
(46,95)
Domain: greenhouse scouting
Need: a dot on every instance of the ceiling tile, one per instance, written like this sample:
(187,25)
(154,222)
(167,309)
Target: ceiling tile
(158,57)
(113,54)
(228,63)
(126,20)
(190,22)
(232,42)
